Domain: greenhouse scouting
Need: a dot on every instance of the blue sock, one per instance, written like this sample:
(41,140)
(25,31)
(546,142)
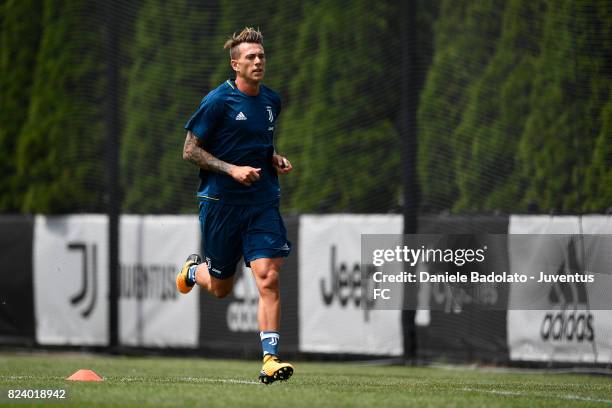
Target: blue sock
(191,273)
(269,342)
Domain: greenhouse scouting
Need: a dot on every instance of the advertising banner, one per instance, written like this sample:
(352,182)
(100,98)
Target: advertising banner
(569,321)
(71,279)
(152,312)
(448,325)
(332,318)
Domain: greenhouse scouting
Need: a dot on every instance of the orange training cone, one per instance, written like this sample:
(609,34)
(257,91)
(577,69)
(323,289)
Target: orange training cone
(85,375)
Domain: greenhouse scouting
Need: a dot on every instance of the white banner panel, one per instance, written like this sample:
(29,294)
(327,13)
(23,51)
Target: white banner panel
(565,328)
(152,312)
(71,280)
(331,319)
(598,254)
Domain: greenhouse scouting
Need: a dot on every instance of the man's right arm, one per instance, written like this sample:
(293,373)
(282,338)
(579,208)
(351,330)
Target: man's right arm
(193,152)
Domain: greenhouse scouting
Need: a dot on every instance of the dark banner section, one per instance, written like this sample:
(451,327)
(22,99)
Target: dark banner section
(16,288)
(229,325)
(464,331)
(290,324)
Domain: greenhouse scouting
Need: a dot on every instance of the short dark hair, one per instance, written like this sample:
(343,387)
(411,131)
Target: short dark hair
(248,35)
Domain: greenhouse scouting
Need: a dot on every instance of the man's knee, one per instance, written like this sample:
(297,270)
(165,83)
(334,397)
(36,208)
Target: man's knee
(268,281)
(266,272)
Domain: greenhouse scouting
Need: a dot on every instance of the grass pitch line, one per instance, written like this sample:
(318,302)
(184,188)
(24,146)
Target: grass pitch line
(20,377)
(143,379)
(515,370)
(527,394)
(220,380)
(186,379)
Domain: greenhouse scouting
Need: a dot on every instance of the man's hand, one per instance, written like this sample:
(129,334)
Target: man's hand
(244,174)
(281,164)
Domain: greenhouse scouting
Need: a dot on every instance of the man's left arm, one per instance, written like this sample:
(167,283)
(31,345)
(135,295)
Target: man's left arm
(281,164)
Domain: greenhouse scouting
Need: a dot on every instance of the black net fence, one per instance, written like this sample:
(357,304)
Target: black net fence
(513,114)
(510,103)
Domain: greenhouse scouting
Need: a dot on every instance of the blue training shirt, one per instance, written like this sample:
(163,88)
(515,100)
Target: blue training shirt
(238,129)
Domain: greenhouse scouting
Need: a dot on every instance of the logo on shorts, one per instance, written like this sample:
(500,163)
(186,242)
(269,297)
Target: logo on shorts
(210,267)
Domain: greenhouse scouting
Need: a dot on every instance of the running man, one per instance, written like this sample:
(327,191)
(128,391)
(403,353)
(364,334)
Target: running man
(230,137)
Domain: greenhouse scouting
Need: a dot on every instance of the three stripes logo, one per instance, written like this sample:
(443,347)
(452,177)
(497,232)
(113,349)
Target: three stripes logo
(88,293)
(241,116)
(573,321)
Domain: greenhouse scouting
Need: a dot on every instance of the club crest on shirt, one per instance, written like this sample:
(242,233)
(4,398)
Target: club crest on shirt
(270,115)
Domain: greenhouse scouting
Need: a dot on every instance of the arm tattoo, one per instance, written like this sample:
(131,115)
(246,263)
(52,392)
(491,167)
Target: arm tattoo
(201,158)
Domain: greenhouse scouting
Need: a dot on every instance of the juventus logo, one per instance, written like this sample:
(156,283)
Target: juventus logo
(273,341)
(89,271)
(270,116)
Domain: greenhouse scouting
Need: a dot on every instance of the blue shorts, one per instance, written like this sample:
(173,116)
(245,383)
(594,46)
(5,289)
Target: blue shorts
(230,232)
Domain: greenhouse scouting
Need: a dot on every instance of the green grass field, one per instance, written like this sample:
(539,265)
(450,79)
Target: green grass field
(172,382)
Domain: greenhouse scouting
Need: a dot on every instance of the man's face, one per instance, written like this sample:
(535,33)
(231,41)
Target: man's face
(251,64)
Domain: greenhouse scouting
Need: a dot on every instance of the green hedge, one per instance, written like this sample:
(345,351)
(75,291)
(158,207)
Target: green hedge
(514,110)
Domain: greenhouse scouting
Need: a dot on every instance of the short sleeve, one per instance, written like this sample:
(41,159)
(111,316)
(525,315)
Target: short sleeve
(207,117)
(279,105)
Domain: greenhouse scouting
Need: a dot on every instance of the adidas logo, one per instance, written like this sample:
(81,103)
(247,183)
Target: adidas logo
(241,116)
